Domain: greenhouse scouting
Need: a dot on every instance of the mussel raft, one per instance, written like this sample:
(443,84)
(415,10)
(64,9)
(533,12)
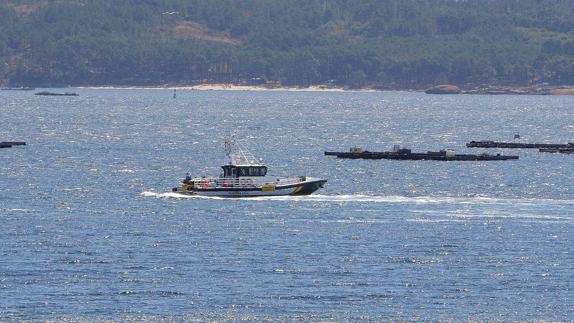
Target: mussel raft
(406,154)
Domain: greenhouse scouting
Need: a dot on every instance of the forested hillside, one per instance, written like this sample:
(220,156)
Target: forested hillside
(354,43)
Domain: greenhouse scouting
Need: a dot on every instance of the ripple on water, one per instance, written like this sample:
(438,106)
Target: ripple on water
(91,232)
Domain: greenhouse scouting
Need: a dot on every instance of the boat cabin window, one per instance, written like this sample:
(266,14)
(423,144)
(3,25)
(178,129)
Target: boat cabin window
(237,171)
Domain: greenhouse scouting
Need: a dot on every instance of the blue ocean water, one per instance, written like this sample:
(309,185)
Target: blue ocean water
(90,229)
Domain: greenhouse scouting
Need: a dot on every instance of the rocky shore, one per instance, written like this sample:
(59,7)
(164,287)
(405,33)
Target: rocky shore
(496,90)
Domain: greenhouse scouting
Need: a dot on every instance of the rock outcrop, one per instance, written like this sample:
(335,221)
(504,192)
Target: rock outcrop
(494,90)
(444,89)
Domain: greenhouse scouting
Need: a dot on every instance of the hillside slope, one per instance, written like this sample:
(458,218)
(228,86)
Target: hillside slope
(355,43)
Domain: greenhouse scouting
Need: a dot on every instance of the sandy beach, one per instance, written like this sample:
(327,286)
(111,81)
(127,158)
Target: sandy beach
(229,87)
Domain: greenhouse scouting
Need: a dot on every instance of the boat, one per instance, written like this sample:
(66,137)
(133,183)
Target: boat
(406,154)
(243,176)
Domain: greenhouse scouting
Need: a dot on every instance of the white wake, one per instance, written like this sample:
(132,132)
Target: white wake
(361,198)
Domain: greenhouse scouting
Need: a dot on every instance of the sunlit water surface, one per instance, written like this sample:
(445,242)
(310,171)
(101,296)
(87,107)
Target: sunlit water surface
(90,229)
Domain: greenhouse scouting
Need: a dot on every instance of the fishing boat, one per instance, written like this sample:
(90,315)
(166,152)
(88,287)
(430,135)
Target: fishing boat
(243,176)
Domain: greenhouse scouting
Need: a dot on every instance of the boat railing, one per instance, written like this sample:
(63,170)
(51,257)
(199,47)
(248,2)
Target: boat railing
(247,182)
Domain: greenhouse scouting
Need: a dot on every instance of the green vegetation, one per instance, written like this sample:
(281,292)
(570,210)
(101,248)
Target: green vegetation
(355,43)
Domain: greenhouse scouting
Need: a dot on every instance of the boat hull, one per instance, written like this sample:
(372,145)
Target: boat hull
(303,188)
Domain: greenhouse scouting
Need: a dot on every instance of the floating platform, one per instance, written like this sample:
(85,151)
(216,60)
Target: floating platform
(8,144)
(557,150)
(21,88)
(57,94)
(407,154)
(495,144)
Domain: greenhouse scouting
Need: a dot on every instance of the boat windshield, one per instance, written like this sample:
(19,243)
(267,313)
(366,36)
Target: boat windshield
(237,171)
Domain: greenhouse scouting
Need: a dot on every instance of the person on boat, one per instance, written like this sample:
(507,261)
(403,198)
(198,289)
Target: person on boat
(187,179)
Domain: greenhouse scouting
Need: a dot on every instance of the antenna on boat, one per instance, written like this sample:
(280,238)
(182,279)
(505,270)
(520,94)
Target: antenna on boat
(237,153)
(246,155)
(228,143)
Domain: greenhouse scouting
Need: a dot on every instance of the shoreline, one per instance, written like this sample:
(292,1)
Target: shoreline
(439,89)
(502,90)
(230,87)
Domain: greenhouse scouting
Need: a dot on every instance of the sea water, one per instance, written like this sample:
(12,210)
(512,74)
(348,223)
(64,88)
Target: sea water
(90,228)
